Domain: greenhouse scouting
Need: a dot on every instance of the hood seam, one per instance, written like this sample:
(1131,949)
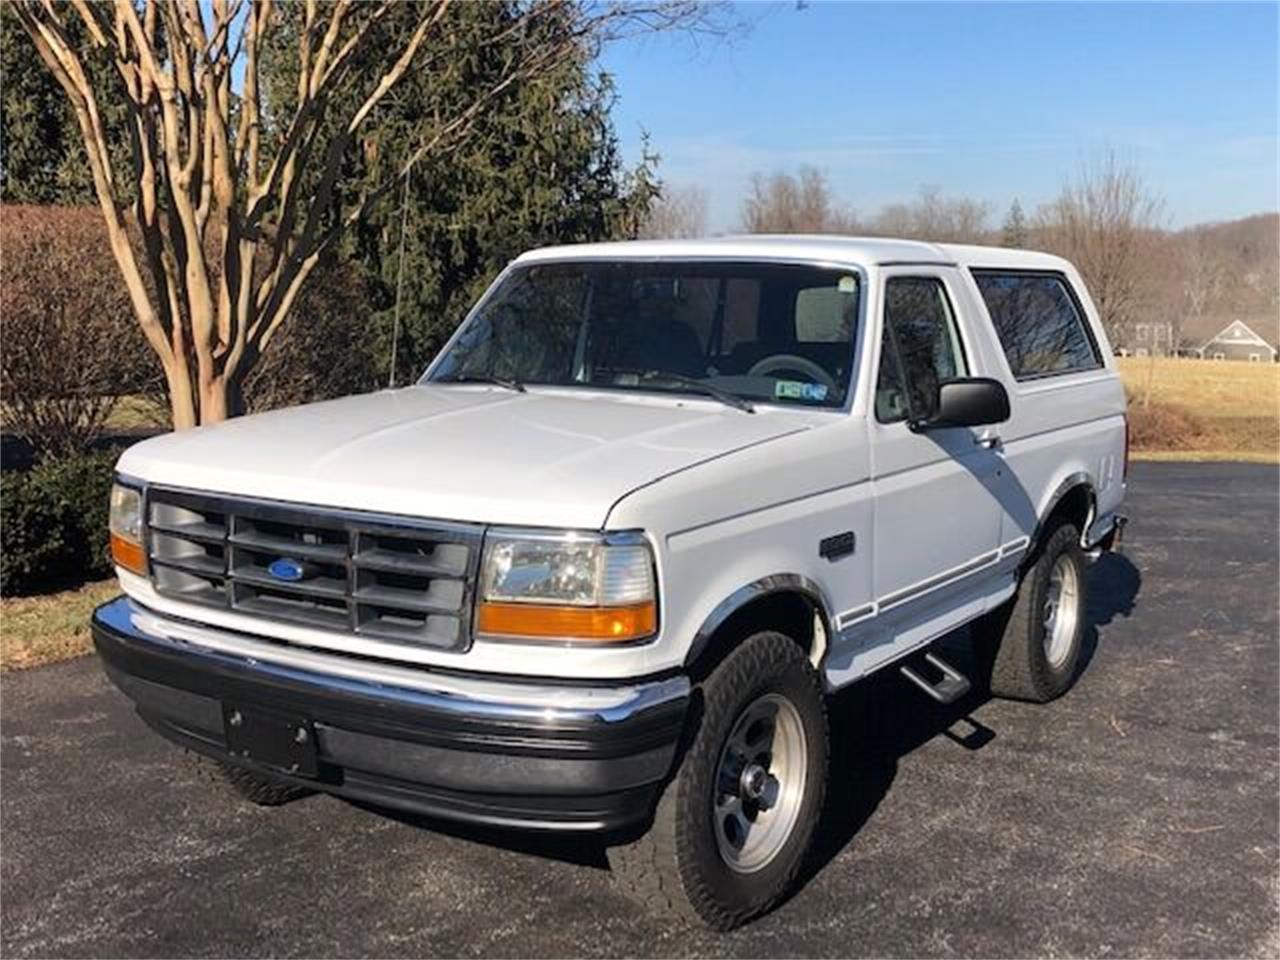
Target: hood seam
(604,524)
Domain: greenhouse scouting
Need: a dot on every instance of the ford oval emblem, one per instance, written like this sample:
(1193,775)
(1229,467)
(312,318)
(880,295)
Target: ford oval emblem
(286,568)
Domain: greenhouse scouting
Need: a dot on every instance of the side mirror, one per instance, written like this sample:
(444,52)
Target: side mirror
(968,402)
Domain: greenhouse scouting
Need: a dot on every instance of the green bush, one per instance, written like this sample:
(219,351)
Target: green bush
(53,523)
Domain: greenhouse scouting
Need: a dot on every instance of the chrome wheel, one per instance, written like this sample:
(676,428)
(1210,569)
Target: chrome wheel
(1061,611)
(760,783)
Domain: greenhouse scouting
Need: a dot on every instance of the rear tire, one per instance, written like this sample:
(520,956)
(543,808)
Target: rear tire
(247,785)
(732,828)
(1031,645)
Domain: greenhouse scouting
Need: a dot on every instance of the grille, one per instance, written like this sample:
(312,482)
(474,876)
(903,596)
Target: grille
(376,576)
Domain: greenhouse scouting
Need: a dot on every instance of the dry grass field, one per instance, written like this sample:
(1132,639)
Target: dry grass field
(1203,409)
(55,626)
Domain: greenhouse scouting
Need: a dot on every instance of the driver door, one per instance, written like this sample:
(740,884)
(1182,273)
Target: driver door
(937,520)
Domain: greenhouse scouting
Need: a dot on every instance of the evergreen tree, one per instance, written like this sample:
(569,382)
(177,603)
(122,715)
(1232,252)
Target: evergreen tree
(42,158)
(541,166)
(1014,232)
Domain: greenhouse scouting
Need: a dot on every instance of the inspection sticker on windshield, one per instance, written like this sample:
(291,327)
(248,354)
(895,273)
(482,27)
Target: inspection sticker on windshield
(797,390)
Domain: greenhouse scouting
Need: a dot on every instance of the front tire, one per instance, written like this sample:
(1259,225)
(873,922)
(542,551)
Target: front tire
(732,828)
(1032,644)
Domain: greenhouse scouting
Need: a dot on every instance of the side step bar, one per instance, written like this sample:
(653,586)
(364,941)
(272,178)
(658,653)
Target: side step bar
(949,689)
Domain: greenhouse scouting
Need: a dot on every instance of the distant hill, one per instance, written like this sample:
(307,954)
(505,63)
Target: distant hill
(1250,252)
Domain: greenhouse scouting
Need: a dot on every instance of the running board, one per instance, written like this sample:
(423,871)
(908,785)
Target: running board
(949,689)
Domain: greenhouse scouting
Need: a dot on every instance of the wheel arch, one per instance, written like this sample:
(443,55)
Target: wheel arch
(789,602)
(1074,498)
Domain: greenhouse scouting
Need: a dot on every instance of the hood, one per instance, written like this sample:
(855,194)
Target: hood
(545,458)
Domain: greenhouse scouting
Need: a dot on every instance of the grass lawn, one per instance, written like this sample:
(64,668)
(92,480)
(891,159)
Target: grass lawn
(40,630)
(1203,409)
(138,413)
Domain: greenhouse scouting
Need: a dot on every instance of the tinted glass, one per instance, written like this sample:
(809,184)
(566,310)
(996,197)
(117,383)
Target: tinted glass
(764,332)
(1038,323)
(920,349)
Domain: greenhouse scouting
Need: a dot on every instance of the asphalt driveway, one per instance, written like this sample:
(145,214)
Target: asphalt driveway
(1138,815)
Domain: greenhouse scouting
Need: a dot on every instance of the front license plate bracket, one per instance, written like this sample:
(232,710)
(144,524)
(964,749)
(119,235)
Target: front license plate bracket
(281,741)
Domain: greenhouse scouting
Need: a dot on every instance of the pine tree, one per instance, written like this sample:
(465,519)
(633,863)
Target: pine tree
(42,158)
(1014,231)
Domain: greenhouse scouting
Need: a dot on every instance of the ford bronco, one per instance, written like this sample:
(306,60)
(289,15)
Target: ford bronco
(599,568)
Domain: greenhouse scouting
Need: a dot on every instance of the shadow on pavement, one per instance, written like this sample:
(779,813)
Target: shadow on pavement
(879,720)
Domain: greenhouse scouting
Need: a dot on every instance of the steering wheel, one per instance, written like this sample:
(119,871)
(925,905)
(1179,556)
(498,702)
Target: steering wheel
(791,363)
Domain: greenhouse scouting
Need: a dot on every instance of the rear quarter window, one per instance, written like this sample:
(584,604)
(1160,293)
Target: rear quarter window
(1040,323)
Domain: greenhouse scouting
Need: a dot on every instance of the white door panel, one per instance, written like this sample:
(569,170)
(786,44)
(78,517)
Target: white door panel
(937,508)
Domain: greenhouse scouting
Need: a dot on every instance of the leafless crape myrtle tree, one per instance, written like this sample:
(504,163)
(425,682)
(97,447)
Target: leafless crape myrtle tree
(237,199)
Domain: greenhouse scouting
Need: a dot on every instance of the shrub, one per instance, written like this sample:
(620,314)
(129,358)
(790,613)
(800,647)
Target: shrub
(325,349)
(1161,426)
(53,523)
(71,345)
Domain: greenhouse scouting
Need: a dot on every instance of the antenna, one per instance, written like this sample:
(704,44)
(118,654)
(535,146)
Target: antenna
(395,323)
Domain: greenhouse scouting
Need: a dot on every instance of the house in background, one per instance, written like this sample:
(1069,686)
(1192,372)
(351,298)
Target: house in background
(1236,341)
(1150,340)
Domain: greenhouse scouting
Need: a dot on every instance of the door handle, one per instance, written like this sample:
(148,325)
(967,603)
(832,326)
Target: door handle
(989,440)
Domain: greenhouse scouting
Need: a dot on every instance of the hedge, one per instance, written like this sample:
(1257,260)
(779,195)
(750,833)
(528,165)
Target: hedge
(53,523)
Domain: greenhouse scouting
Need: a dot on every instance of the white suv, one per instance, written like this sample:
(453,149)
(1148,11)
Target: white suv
(599,568)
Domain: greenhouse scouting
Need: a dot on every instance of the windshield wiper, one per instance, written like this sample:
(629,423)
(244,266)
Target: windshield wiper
(509,384)
(700,386)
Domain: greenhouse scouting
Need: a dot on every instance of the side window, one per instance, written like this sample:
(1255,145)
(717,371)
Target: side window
(1039,323)
(921,348)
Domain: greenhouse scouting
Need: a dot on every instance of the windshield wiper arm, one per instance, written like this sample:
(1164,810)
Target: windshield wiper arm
(701,386)
(514,385)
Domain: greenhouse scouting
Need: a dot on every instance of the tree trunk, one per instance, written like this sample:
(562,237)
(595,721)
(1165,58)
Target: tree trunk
(1151,375)
(220,399)
(182,406)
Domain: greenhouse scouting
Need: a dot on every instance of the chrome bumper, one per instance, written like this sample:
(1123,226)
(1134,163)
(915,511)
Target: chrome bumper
(501,751)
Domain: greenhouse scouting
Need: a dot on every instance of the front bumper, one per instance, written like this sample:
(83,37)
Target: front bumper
(491,751)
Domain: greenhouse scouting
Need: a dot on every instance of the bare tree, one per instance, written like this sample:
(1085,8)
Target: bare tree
(782,203)
(1203,269)
(1107,222)
(936,217)
(235,220)
(679,212)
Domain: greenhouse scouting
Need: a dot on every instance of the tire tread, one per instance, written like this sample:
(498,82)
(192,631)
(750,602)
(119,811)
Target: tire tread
(259,790)
(1018,669)
(657,870)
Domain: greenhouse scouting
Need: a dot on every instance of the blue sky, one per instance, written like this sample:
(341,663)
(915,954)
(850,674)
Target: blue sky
(989,101)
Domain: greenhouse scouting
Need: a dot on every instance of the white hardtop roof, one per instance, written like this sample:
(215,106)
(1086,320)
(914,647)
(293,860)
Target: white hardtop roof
(865,251)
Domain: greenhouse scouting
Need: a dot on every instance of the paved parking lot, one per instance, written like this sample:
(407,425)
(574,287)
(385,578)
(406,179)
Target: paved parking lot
(1136,816)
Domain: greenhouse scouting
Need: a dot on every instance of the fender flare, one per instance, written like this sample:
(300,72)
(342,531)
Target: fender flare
(1068,483)
(755,590)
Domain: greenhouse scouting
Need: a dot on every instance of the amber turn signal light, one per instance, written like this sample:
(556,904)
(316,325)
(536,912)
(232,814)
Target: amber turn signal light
(563,622)
(127,554)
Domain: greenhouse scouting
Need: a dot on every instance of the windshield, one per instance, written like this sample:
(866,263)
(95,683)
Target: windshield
(761,332)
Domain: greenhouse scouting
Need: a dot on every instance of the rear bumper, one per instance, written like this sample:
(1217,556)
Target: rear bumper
(489,751)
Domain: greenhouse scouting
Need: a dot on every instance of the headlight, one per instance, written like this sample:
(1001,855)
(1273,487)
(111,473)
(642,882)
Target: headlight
(577,587)
(125,525)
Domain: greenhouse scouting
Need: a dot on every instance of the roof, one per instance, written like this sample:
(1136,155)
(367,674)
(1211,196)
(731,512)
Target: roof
(1237,333)
(866,251)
